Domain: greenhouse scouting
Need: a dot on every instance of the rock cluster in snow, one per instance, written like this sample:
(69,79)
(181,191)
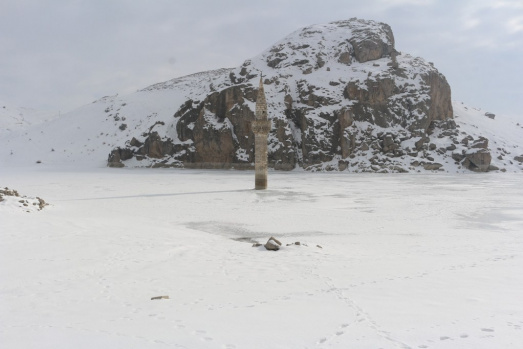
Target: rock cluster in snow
(274,244)
(11,197)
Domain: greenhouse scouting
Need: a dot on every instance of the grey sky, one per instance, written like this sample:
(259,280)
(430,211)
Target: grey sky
(61,54)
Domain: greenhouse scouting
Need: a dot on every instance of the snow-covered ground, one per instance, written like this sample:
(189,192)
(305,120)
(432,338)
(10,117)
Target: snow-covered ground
(407,261)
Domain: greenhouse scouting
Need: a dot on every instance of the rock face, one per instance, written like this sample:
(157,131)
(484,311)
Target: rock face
(339,95)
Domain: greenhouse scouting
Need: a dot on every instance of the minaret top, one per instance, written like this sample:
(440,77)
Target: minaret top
(261,102)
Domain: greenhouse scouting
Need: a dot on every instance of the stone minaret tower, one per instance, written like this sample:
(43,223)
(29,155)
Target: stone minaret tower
(260,127)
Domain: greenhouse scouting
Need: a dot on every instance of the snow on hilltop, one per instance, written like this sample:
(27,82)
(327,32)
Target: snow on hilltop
(16,118)
(339,95)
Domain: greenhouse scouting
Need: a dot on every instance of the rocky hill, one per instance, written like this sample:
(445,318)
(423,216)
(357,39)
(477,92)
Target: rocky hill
(340,98)
(336,94)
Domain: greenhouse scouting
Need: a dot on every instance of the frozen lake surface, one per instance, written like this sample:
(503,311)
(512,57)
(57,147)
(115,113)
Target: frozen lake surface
(406,261)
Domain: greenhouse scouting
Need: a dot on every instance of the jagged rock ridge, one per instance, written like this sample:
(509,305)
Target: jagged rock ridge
(340,98)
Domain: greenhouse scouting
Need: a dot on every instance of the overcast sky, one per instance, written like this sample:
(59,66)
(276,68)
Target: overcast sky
(61,54)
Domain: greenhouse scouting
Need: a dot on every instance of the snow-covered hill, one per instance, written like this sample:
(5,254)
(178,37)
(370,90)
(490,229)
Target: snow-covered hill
(17,118)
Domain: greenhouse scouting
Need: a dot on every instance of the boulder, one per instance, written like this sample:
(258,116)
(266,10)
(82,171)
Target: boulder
(370,43)
(41,203)
(421,142)
(432,166)
(272,244)
(117,155)
(458,157)
(345,58)
(482,143)
(478,161)
(388,143)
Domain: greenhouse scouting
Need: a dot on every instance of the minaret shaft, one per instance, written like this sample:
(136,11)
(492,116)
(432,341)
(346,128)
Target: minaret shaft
(260,165)
(260,127)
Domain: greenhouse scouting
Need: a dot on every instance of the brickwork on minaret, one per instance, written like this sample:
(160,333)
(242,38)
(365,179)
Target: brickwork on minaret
(260,127)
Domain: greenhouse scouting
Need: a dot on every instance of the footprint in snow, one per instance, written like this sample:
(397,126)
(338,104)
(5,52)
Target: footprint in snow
(202,335)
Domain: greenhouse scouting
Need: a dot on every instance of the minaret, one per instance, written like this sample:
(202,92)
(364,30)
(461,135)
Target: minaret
(260,127)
